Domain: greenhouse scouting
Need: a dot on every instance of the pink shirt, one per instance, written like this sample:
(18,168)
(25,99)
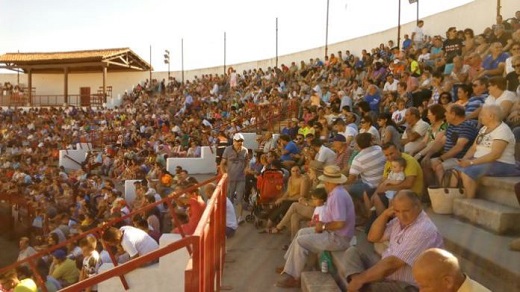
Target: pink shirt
(408,242)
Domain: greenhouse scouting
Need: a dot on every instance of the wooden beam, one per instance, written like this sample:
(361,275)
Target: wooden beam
(124,66)
(66,84)
(104,84)
(30,86)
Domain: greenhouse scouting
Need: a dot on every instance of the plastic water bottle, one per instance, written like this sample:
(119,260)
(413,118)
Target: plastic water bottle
(324,266)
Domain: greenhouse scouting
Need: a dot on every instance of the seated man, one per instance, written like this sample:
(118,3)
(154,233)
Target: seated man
(409,232)
(415,131)
(63,269)
(324,154)
(132,240)
(413,177)
(439,270)
(288,151)
(333,233)
(458,139)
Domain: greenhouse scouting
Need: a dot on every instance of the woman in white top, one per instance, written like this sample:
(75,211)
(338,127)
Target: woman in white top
(366,126)
(492,153)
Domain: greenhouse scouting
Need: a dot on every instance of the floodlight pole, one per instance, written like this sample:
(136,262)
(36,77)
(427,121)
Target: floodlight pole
(277,42)
(399,26)
(224,53)
(182,59)
(150,66)
(327,31)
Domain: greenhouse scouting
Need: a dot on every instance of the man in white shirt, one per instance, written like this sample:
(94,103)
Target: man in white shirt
(390,84)
(133,240)
(418,35)
(415,131)
(325,155)
(439,270)
(25,249)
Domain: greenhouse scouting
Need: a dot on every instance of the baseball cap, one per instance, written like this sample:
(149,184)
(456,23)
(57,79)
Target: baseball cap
(339,138)
(238,136)
(59,254)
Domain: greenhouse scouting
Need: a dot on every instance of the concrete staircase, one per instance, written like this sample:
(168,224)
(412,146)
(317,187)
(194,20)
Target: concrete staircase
(480,231)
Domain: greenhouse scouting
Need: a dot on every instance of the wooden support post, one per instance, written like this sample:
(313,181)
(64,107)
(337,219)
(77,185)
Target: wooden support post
(66,84)
(104,84)
(30,86)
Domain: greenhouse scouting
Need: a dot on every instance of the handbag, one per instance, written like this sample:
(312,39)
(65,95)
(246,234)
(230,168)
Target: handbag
(442,196)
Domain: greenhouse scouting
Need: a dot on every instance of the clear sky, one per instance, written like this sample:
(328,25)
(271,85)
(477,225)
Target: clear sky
(61,25)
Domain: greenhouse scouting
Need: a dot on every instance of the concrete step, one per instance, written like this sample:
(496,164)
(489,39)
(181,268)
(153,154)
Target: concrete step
(499,190)
(489,215)
(484,256)
(317,281)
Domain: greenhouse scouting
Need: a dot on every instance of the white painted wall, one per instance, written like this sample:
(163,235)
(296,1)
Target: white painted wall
(206,164)
(168,275)
(476,15)
(130,191)
(78,155)
(250,141)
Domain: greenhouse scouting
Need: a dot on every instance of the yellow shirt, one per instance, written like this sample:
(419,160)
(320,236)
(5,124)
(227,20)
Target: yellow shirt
(26,285)
(66,271)
(412,169)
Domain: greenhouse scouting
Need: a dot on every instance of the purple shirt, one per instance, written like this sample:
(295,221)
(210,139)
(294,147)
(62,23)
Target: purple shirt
(339,207)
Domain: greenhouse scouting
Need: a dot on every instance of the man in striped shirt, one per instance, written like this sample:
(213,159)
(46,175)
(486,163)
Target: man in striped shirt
(409,231)
(366,170)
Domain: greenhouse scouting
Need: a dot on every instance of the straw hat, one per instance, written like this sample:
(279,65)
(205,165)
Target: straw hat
(332,174)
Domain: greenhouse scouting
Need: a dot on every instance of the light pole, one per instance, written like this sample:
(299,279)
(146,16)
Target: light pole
(182,60)
(327,31)
(167,61)
(224,53)
(277,42)
(399,26)
(412,2)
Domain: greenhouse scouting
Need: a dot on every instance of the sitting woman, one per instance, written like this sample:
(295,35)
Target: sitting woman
(297,188)
(492,154)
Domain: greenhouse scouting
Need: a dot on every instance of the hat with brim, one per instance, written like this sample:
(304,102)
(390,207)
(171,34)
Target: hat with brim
(332,174)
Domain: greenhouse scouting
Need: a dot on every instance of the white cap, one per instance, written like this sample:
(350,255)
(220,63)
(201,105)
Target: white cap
(238,136)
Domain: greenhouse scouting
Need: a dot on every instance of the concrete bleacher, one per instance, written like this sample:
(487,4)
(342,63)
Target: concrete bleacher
(205,164)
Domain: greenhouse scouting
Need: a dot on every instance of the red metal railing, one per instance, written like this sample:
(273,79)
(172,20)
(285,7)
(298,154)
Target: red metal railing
(205,268)
(32,260)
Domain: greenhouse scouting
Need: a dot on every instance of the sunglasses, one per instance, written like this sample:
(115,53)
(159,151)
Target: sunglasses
(240,141)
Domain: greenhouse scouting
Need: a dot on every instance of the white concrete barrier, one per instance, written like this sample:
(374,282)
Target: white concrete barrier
(68,158)
(168,275)
(84,146)
(250,141)
(205,164)
(130,191)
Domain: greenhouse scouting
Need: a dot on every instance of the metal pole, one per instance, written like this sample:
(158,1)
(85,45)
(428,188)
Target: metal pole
(18,75)
(150,66)
(327,31)
(399,26)
(277,42)
(182,59)
(417,11)
(499,6)
(224,53)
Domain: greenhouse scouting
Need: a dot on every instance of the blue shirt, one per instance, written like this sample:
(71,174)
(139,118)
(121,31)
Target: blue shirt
(373,101)
(467,129)
(474,103)
(292,149)
(489,63)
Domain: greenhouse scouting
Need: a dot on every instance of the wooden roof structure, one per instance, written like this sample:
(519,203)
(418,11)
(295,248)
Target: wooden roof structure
(114,60)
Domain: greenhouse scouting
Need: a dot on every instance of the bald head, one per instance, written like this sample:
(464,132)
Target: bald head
(437,270)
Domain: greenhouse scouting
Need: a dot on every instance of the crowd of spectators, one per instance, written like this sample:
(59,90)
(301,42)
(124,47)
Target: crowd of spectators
(375,123)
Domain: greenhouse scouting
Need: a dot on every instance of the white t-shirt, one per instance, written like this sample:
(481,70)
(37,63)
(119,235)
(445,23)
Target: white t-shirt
(421,128)
(502,132)
(376,137)
(505,96)
(391,86)
(326,155)
(398,115)
(419,34)
(137,242)
(231,219)
(318,214)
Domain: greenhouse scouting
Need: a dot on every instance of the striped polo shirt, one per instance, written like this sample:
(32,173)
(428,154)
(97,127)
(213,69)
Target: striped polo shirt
(467,129)
(369,164)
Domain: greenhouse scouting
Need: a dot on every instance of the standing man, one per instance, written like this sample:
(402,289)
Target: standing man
(418,36)
(439,270)
(333,233)
(409,231)
(234,162)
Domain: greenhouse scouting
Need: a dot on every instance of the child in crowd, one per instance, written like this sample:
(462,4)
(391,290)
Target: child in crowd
(395,177)
(319,198)
(91,259)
